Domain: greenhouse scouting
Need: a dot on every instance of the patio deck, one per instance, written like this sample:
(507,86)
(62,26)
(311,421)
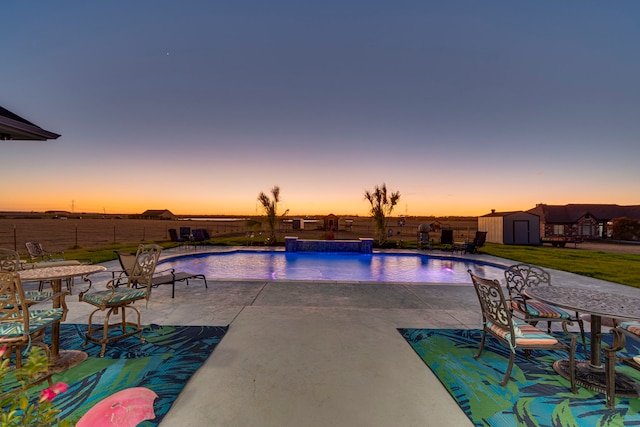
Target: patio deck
(315,354)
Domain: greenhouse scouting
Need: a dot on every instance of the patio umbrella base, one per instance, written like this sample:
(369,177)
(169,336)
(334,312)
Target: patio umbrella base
(67,359)
(594,379)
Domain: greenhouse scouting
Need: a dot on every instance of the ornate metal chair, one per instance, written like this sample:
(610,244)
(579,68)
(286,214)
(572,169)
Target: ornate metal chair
(519,278)
(10,261)
(36,252)
(21,326)
(118,300)
(620,332)
(498,322)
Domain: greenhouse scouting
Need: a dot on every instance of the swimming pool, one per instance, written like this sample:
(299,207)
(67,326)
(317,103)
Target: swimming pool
(345,267)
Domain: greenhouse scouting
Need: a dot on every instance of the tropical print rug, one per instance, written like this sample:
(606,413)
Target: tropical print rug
(163,363)
(535,396)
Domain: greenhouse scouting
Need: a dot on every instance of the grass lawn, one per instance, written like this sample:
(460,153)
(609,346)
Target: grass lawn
(613,267)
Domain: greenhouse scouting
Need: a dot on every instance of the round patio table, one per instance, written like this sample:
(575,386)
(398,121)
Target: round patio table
(61,359)
(591,373)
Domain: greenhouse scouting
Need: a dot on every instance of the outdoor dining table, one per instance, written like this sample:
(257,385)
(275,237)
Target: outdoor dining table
(61,359)
(591,373)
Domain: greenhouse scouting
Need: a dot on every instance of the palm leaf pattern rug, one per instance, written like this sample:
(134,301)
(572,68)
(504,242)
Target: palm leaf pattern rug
(163,363)
(535,396)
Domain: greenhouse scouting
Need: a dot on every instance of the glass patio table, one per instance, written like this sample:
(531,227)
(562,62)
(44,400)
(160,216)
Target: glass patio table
(591,373)
(61,359)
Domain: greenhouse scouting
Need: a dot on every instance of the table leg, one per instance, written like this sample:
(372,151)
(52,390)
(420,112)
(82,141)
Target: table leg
(596,337)
(62,359)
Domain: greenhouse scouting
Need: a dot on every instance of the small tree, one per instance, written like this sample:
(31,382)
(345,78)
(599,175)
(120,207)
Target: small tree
(382,205)
(270,207)
(626,229)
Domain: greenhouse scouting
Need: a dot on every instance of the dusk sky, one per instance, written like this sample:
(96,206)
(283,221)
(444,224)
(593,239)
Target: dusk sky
(198,106)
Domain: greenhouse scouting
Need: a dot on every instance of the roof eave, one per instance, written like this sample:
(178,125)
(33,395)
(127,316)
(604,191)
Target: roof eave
(13,129)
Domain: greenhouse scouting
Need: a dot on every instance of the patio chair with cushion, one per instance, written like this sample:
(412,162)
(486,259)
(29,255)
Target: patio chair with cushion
(118,300)
(498,322)
(10,261)
(522,276)
(21,325)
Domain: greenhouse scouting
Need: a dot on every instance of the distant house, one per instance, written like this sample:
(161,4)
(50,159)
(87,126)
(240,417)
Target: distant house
(157,214)
(511,228)
(583,221)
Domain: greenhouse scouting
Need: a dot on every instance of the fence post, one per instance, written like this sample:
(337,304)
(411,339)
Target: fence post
(15,239)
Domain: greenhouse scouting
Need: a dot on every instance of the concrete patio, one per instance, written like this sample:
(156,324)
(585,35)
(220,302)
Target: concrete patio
(316,354)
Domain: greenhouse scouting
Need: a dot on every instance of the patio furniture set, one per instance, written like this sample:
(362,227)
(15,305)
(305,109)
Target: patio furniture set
(512,319)
(24,324)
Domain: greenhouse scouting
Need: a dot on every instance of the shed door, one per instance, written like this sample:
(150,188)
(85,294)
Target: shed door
(521,232)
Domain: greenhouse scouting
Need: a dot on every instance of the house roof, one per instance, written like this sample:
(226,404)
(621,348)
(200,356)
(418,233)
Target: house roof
(12,126)
(156,212)
(573,212)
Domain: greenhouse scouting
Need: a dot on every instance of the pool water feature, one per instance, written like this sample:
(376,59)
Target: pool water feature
(344,267)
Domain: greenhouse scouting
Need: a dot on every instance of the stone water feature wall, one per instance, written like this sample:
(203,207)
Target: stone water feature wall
(363,245)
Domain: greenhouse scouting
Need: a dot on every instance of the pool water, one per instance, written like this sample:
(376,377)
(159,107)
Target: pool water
(332,267)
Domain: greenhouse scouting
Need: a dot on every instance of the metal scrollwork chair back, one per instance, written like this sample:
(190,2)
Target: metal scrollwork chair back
(519,277)
(498,321)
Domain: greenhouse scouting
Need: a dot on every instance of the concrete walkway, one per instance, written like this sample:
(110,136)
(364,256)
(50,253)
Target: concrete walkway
(317,354)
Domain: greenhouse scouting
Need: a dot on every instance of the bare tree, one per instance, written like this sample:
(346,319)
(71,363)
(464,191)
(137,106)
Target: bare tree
(382,205)
(270,206)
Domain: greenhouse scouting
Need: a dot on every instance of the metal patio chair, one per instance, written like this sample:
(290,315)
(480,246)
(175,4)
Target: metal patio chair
(38,253)
(118,300)
(521,276)
(498,322)
(22,325)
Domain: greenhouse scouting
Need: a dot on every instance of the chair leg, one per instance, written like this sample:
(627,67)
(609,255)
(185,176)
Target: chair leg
(572,364)
(584,340)
(507,374)
(482,340)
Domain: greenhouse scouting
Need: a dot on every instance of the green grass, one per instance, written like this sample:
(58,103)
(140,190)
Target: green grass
(613,267)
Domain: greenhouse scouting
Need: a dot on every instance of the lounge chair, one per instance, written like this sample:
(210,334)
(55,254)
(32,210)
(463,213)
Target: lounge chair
(446,239)
(173,234)
(478,242)
(199,235)
(498,322)
(166,277)
(185,233)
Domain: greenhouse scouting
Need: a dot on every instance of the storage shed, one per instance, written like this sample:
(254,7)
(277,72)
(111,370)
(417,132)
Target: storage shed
(511,228)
